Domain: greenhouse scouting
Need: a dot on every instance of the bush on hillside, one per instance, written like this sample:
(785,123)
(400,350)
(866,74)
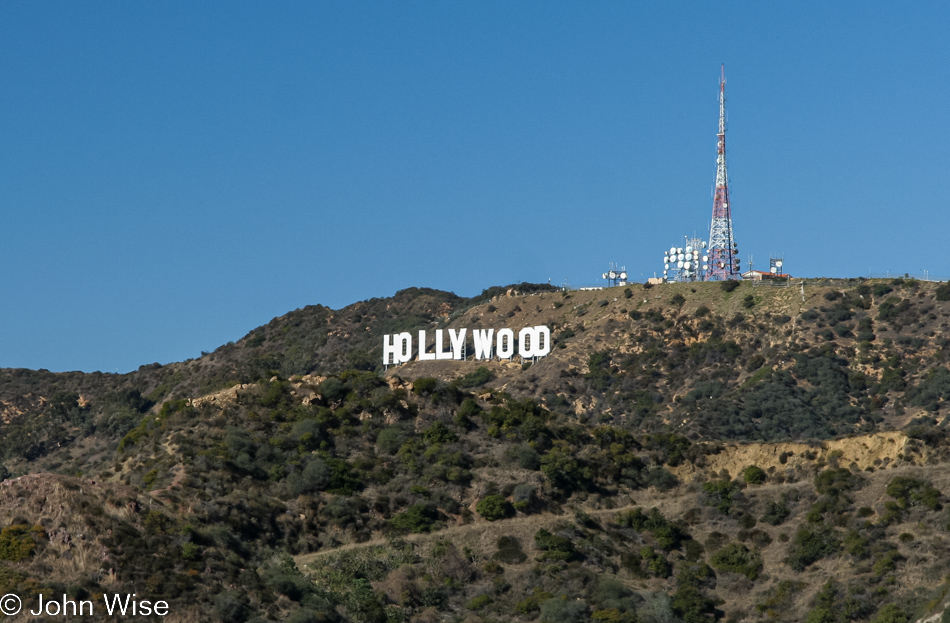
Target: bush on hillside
(753,475)
(495,507)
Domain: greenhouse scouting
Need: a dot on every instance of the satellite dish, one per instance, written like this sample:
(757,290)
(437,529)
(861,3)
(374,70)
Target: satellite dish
(623,276)
(679,264)
(681,257)
(612,274)
(679,249)
(705,266)
(689,249)
(704,244)
(604,276)
(721,265)
(666,259)
(773,270)
(686,265)
(672,250)
(666,265)
(779,263)
(705,258)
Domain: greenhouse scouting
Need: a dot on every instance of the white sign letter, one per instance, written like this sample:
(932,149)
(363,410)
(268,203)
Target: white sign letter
(482,342)
(398,346)
(506,343)
(542,335)
(423,355)
(534,341)
(389,348)
(526,339)
(404,347)
(439,352)
(458,341)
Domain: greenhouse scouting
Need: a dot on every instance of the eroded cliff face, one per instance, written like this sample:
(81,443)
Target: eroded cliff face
(860,452)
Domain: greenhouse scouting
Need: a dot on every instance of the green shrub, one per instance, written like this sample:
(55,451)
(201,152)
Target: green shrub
(729,286)
(390,439)
(811,544)
(856,545)
(754,475)
(480,376)
(564,610)
(424,385)
(495,507)
(555,547)
(656,564)
(417,518)
(477,603)
(149,478)
(834,482)
(775,513)
(943,292)
(660,478)
(721,494)
(891,613)
(16,543)
(613,615)
(564,470)
(738,558)
(277,393)
(893,308)
(913,492)
(439,433)
(842,330)
(611,594)
(467,410)
(533,602)
(701,311)
(678,300)
(524,456)
(332,390)
(190,551)
(886,563)
(230,606)
(668,535)
(524,496)
(509,551)
(314,477)
(692,606)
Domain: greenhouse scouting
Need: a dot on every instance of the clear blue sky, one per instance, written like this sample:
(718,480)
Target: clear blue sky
(173,174)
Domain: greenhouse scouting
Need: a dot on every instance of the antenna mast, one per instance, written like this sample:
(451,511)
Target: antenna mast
(723,251)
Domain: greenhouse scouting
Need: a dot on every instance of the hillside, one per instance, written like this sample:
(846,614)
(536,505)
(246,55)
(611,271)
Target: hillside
(793,450)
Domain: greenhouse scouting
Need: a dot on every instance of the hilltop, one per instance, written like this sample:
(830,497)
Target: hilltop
(686,452)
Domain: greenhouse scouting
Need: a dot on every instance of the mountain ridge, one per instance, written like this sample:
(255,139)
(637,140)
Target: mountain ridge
(686,452)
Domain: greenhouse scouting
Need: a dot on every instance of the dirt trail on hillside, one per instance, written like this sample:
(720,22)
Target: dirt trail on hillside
(483,534)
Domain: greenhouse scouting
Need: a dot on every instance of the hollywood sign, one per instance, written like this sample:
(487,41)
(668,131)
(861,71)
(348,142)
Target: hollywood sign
(532,342)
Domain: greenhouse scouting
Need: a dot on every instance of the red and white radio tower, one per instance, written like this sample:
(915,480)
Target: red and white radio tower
(722,250)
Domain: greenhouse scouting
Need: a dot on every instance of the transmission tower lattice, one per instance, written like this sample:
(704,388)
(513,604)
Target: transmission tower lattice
(723,251)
